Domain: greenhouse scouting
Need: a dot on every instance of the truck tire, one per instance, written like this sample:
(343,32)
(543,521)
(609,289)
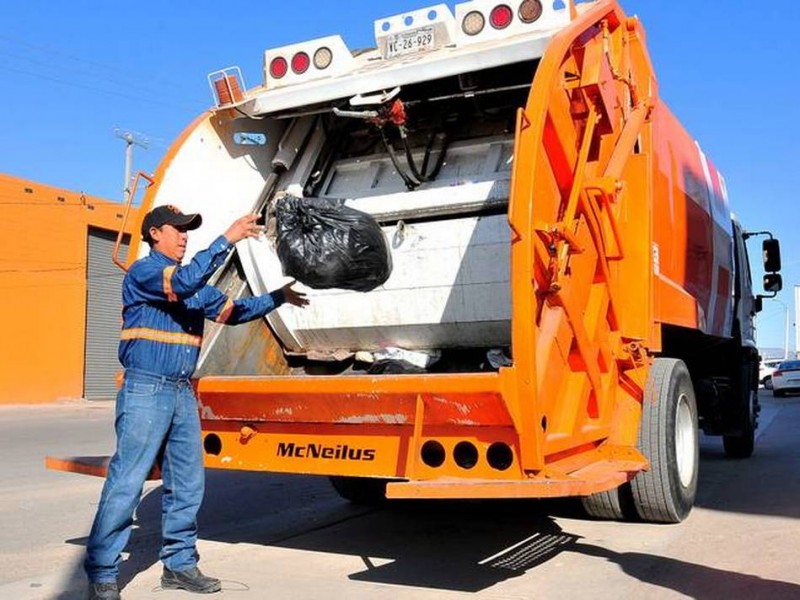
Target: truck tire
(616,504)
(360,490)
(742,445)
(668,438)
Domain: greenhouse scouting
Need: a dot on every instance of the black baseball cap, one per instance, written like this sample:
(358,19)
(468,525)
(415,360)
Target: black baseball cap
(161,215)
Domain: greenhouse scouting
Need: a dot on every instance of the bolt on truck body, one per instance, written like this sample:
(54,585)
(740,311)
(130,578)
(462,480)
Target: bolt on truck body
(542,203)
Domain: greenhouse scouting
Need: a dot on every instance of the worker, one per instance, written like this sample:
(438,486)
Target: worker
(157,421)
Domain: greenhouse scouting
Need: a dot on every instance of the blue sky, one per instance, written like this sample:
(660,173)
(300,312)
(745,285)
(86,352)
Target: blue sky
(72,72)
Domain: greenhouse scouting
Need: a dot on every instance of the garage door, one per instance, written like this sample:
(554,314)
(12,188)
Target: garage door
(103,315)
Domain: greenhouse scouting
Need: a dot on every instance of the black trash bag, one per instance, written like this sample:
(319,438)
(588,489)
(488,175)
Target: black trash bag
(325,244)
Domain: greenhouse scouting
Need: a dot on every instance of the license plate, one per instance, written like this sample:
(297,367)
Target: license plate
(410,42)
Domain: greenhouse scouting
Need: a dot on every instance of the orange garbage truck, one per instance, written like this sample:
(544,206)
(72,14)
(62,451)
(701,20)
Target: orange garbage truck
(569,300)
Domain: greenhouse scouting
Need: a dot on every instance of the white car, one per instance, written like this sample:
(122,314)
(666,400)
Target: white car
(786,378)
(765,370)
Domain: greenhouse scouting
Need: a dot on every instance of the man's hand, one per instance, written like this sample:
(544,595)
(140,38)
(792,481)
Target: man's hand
(292,296)
(244,227)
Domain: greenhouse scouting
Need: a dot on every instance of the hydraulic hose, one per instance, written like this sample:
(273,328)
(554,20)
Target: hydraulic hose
(424,176)
(410,183)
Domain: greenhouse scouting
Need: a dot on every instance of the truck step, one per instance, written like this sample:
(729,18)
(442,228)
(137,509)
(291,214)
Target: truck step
(596,477)
(89,465)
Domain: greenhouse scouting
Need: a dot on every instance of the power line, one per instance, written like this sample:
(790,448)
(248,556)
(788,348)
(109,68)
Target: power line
(81,268)
(82,282)
(60,52)
(82,73)
(48,270)
(99,90)
(54,262)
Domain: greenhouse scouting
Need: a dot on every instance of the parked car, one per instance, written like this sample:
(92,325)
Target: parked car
(765,370)
(786,378)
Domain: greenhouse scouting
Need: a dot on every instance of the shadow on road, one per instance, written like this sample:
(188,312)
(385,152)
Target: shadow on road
(469,546)
(456,546)
(692,580)
(764,484)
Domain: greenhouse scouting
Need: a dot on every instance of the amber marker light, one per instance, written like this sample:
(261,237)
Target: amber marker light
(473,23)
(529,11)
(323,57)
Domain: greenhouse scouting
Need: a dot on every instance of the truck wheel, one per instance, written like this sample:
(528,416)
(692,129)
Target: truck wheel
(360,490)
(616,504)
(741,445)
(668,438)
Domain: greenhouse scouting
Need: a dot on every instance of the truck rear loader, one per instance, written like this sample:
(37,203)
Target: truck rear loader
(566,273)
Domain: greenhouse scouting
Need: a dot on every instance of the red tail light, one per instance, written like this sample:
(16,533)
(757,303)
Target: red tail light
(300,63)
(278,67)
(777,373)
(501,16)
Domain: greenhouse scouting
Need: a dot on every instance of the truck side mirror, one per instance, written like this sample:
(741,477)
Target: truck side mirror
(773,282)
(771,249)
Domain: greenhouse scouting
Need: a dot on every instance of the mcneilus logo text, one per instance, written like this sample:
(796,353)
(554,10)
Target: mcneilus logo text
(313,450)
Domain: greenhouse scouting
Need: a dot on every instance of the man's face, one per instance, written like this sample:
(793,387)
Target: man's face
(170,240)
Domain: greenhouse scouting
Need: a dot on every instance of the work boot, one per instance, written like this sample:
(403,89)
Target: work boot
(103,591)
(191,580)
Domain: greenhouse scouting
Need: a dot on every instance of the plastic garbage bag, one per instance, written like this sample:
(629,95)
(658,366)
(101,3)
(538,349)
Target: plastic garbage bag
(325,244)
(420,359)
(497,358)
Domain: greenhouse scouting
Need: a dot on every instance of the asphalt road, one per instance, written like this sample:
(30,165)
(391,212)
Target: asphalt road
(291,537)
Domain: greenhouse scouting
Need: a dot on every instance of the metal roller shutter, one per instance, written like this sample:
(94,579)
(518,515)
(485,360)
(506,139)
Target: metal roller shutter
(103,314)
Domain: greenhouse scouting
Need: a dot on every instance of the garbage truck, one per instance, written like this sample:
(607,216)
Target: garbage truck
(570,298)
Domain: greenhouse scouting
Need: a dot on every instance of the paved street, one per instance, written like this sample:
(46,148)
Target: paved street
(292,538)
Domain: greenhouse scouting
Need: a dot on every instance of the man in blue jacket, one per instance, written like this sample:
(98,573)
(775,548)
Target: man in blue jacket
(165,304)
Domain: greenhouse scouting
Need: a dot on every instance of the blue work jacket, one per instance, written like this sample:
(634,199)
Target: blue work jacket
(165,305)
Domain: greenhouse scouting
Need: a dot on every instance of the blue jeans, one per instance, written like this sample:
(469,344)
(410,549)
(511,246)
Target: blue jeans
(154,415)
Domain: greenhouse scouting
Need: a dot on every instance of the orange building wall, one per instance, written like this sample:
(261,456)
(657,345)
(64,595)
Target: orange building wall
(43,286)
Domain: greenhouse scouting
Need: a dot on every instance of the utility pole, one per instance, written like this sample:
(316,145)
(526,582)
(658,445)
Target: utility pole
(131,138)
(786,328)
(796,321)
